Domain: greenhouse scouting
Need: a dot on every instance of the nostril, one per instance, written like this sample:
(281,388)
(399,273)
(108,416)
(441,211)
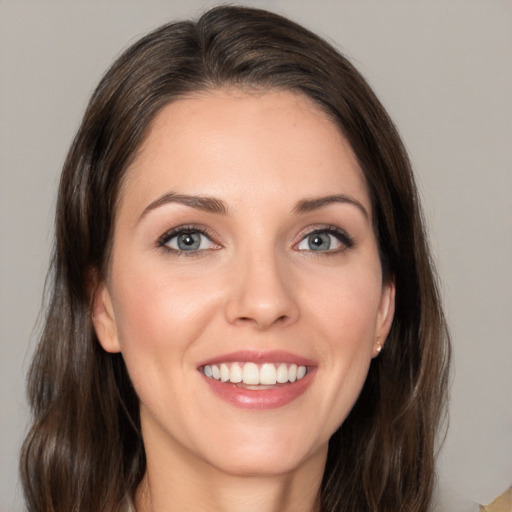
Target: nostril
(262,322)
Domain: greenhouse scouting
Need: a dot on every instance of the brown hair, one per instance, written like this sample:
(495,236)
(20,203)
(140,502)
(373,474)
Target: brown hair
(84,451)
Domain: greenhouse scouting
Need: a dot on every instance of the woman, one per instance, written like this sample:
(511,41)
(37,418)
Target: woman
(238,238)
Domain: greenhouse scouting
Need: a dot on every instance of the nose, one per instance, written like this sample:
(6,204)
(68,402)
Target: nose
(261,293)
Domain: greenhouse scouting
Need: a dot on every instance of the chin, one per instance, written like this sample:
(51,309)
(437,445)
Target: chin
(269,457)
(260,466)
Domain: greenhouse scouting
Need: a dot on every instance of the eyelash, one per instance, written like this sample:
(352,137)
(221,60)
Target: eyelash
(341,235)
(185,230)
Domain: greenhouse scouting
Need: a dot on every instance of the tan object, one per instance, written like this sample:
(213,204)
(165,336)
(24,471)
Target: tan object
(502,503)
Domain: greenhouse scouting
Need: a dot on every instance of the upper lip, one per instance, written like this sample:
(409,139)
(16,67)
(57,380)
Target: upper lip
(257,356)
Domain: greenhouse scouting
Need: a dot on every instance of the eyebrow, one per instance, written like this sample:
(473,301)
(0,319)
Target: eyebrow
(205,203)
(217,206)
(308,205)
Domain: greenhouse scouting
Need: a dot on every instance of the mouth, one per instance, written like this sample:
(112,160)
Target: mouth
(258,380)
(249,374)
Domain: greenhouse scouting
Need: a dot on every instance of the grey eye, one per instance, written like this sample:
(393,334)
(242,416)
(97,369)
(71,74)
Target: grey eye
(319,242)
(190,241)
(326,240)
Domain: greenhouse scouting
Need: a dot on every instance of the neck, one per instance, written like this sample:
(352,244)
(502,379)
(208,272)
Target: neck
(202,487)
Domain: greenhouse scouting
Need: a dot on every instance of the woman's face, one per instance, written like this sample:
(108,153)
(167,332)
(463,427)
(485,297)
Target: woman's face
(244,252)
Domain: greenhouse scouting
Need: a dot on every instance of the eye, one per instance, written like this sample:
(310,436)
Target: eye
(183,240)
(325,240)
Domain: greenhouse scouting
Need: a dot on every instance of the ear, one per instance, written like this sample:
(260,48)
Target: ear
(384,315)
(103,319)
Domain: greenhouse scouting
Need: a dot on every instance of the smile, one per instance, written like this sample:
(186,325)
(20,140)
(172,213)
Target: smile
(252,374)
(257,380)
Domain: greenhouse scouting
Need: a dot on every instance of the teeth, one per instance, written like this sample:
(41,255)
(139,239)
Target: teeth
(267,374)
(292,373)
(282,373)
(224,373)
(235,374)
(250,374)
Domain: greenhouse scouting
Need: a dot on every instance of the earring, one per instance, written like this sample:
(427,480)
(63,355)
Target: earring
(379,346)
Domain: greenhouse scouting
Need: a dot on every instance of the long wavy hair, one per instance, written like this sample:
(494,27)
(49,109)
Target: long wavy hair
(84,451)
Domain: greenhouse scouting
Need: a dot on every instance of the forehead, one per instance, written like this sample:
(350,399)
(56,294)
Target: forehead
(219,142)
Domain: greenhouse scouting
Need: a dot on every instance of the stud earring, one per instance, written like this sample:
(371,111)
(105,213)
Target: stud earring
(379,345)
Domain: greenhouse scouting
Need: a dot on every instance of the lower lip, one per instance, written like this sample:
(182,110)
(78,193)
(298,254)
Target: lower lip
(267,398)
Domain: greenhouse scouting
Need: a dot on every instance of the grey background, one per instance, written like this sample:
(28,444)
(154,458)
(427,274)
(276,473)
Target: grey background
(443,70)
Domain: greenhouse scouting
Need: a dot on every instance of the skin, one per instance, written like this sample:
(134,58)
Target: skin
(254,284)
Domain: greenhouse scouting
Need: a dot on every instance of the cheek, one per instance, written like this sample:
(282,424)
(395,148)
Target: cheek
(344,317)
(347,308)
(158,315)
